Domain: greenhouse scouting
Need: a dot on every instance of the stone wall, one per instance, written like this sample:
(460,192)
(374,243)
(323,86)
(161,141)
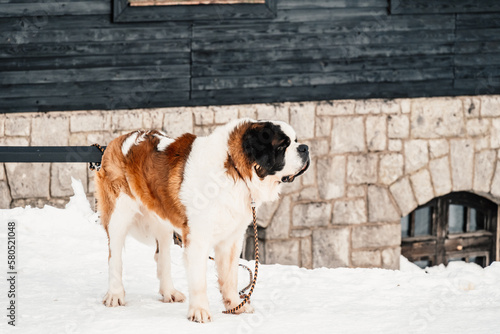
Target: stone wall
(373,161)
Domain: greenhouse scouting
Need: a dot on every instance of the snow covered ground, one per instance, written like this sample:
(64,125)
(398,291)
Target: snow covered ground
(63,276)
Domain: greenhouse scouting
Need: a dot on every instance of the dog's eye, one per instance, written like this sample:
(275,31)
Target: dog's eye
(295,139)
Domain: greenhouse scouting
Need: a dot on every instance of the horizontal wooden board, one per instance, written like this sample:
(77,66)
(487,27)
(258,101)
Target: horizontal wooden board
(477,72)
(94,74)
(75,62)
(342,25)
(347,52)
(110,88)
(477,86)
(320,66)
(321,14)
(474,21)
(55,8)
(307,79)
(477,47)
(479,34)
(95,48)
(324,4)
(103,102)
(324,92)
(444,6)
(93,35)
(477,59)
(317,41)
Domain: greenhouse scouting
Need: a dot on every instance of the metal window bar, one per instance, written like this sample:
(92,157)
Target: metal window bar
(69,154)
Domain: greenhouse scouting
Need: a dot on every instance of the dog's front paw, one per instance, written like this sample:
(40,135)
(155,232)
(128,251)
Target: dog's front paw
(247,308)
(173,296)
(114,299)
(199,314)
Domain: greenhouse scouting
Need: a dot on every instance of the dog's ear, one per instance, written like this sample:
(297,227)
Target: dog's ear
(258,147)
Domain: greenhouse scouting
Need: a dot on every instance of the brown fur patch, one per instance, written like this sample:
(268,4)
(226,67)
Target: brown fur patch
(154,177)
(237,159)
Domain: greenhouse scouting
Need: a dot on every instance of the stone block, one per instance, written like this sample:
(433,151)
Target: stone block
(390,107)
(471,106)
(416,155)
(126,120)
(483,170)
(330,248)
(317,147)
(302,117)
(376,236)
(462,164)
(323,126)
(5,198)
(309,177)
(356,191)
(398,127)
(14,141)
(336,108)
(421,182)
(495,184)
(16,125)
(380,206)
(364,107)
(349,212)
(331,177)
(90,121)
(61,173)
(50,130)
(441,176)
(437,117)
(311,214)
(225,114)
(305,194)
(403,195)
(247,111)
(395,145)
(306,253)
(285,252)
(2,172)
(265,213)
(348,135)
(438,148)
(2,125)
(177,122)
(376,128)
(366,259)
(490,106)
(478,127)
(28,180)
(405,105)
(102,138)
(390,258)
(153,118)
(273,112)
(391,168)
(362,169)
(481,143)
(203,116)
(495,133)
(279,227)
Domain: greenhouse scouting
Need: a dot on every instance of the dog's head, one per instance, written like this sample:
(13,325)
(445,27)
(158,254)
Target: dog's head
(272,151)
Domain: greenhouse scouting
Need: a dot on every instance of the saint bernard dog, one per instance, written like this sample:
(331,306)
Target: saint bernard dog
(150,185)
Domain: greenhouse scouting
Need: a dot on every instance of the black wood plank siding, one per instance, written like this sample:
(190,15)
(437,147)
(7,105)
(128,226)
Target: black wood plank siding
(69,55)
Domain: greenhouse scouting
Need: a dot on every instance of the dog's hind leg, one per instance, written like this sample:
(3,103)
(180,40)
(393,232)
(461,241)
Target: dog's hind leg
(164,269)
(118,227)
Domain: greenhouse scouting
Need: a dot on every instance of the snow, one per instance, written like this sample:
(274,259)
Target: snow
(62,278)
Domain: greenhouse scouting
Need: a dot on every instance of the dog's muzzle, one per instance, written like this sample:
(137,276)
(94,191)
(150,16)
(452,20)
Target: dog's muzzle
(290,178)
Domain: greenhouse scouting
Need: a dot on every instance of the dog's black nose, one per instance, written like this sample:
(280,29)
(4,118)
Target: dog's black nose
(303,148)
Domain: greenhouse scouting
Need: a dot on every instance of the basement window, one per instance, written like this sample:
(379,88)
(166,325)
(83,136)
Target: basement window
(192,10)
(457,227)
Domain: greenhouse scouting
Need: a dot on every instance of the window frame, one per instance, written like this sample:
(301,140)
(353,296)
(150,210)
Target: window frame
(441,245)
(122,12)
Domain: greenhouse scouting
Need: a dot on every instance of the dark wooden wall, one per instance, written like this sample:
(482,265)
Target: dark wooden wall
(68,55)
